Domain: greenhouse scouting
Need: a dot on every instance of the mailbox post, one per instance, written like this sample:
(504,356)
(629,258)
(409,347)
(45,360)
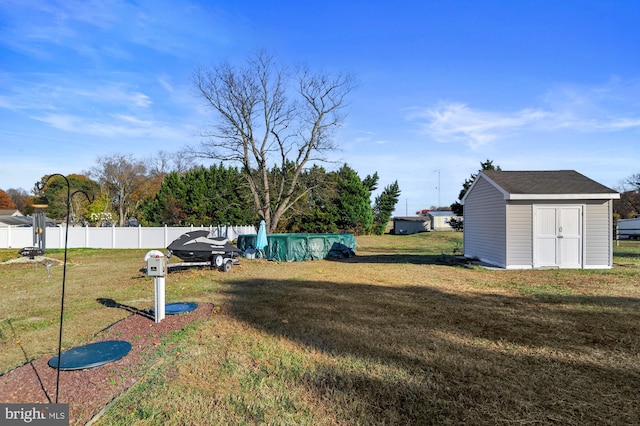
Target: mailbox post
(156,268)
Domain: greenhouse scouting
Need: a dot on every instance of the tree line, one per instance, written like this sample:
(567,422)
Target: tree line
(121,189)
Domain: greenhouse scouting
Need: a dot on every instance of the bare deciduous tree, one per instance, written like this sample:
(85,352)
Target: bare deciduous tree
(272,124)
(629,203)
(163,162)
(124,180)
(19,196)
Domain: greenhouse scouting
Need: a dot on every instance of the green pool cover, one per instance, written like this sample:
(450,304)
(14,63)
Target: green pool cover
(299,247)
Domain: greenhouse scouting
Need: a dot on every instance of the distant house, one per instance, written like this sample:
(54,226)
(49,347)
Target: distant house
(405,225)
(13,217)
(10,212)
(539,219)
(440,220)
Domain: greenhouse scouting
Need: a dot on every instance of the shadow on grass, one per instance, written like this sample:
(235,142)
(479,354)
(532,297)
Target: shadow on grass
(415,259)
(457,357)
(624,253)
(110,303)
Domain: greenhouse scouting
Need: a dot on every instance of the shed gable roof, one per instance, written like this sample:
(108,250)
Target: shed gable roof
(551,184)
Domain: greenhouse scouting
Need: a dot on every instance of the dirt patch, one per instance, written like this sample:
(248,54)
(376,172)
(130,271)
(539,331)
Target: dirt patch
(32,261)
(89,391)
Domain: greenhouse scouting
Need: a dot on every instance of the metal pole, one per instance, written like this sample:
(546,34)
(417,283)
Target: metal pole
(159,298)
(438,206)
(64,271)
(64,280)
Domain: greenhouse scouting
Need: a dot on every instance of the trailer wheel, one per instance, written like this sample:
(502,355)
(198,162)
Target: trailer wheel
(227,266)
(217,261)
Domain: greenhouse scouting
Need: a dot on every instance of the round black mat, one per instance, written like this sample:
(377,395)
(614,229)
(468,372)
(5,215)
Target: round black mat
(91,355)
(177,308)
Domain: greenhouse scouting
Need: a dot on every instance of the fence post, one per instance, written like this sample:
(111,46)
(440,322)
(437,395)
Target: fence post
(166,236)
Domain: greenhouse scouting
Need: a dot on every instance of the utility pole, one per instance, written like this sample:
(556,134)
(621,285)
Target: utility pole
(438,206)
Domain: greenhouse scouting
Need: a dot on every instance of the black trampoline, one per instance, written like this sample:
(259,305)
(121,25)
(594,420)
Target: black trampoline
(91,355)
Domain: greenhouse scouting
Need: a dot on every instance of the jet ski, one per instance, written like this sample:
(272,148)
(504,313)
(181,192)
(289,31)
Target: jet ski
(196,246)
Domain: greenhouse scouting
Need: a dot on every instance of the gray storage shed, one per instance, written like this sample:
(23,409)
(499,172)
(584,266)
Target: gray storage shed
(539,219)
(405,225)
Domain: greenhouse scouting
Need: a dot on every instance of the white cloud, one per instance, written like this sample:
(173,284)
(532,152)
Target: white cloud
(165,84)
(102,30)
(458,122)
(623,123)
(88,126)
(50,92)
(114,126)
(596,109)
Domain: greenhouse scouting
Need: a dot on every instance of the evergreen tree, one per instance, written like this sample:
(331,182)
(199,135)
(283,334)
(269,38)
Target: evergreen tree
(384,206)
(353,201)
(166,208)
(315,211)
(202,196)
(371,182)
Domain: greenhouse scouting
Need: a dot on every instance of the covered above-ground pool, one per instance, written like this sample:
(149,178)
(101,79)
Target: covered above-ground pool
(290,247)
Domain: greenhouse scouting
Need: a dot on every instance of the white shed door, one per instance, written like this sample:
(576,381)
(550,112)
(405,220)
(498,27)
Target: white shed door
(557,236)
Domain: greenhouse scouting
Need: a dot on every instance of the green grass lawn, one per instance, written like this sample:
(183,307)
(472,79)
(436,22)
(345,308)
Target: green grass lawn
(404,333)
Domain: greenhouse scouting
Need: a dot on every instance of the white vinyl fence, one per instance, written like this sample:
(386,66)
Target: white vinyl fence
(113,237)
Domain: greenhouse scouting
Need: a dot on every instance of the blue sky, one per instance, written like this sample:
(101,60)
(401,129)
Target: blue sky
(443,85)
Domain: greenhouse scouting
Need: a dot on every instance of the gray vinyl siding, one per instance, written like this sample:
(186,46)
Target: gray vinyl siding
(598,233)
(484,219)
(498,226)
(519,234)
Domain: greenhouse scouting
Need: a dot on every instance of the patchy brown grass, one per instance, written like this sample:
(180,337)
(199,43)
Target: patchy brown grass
(404,333)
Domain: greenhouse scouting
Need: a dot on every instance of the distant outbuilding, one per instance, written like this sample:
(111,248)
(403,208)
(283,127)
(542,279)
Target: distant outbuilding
(440,220)
(407,225)
(539,219)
